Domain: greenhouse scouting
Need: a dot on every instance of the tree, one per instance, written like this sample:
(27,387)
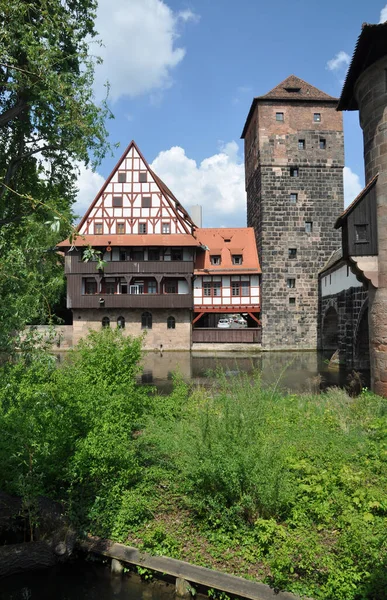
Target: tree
(48,121)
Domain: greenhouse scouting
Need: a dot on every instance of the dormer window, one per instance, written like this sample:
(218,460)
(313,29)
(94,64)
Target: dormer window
(293,90)
(237,259)
(215,259)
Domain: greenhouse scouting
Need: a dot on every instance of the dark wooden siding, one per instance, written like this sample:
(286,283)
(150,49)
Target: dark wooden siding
(145,301)
(75,266)
(363,214)
(250,335)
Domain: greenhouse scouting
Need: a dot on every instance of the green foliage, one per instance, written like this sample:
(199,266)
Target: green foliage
(48,122)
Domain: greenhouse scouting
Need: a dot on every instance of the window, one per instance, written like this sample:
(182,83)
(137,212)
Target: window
(245,288)
(301,144)
(153,254)
(170,287)
(290,283)
(117,201)
(146,202)
(235,288)
(137,255)
(90,286)
(98,228)
(152,287)
(294,172)
(166,228)
(279,116)
(292,302)
(120,228)
(308,226)
(215,259)
(142,177)
(237,259)
(123,287)
(171,323)
(110,286)
(293,198)
(123,255)
(323,144)
(292,253)
(142,228)
(207,285)
(212,288)
(176,254)
(106,322)
(317,117)
(121,323)
(121,177)
(361,234)
(146,320)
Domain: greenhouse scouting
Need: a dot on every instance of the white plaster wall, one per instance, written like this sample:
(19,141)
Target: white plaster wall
(338,281)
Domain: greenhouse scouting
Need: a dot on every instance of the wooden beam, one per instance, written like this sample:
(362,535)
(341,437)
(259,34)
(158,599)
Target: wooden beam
(252,315)
(197,318)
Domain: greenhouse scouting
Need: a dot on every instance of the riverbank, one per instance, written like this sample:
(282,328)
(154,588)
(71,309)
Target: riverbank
(236,476)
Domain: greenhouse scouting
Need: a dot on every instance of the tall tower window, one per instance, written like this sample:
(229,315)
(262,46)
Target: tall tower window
(279,116)
(323,144)
(292,253)
(291,283)
(301,144)
(294,172)
(317,117)
(293,198)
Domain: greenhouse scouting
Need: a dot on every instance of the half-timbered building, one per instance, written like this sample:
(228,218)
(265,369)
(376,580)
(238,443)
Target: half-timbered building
(148,245)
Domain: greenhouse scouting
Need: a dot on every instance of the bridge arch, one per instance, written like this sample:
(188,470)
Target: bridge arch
(330,327)
(361,339)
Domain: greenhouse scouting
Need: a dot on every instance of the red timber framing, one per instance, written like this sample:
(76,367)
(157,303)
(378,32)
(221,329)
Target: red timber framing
(135,201)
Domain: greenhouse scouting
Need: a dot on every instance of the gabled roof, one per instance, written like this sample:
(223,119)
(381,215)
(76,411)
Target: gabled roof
(334,258)
(226,242)
(291,89)
(180,211)
(353,204)
(370,47)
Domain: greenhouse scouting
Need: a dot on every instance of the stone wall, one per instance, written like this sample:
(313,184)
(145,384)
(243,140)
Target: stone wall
(157,338)
(370,91)
(289,314)
(351,308)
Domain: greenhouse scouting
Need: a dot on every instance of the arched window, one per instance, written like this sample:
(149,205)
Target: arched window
(121,323)
(106,322)
(171,323)
(146,320)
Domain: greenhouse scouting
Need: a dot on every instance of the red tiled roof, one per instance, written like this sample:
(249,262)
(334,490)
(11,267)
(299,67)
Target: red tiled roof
(152,239)
(364,192)
(242,241)
(291,89)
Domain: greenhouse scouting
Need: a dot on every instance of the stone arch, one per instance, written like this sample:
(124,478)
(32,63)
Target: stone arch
(330,327)
(361,339)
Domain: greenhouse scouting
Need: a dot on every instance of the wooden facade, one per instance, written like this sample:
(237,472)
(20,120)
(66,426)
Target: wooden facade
(154,259)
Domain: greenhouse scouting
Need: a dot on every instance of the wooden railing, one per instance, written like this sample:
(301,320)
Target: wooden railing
(249,335)
(144,301)
(117,267)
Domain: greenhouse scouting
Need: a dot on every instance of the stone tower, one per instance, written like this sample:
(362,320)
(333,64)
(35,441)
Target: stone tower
(294,159)
(365,89)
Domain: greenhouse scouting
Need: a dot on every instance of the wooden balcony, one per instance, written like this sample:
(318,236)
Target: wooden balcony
(249,335)
(74,266)
(144,301)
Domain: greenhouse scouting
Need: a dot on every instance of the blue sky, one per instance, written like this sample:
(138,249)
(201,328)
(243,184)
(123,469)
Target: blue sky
(183,75)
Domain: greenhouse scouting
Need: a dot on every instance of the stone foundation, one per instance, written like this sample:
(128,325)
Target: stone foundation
(157,338)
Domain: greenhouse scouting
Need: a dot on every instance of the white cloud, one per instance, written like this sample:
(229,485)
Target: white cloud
(383,15)
(140,46)
(352,186)
(339,62)
(89,183)
(217,183)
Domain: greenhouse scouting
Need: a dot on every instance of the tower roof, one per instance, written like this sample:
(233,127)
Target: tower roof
(370,47)
(291,89)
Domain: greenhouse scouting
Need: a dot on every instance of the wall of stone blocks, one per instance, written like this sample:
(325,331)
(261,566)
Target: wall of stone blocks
(280,224)
(157,338)
(350,306)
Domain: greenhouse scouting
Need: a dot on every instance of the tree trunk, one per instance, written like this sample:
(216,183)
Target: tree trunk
(17,558)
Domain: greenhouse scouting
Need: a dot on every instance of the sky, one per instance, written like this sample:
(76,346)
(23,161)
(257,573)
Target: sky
(182,75)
